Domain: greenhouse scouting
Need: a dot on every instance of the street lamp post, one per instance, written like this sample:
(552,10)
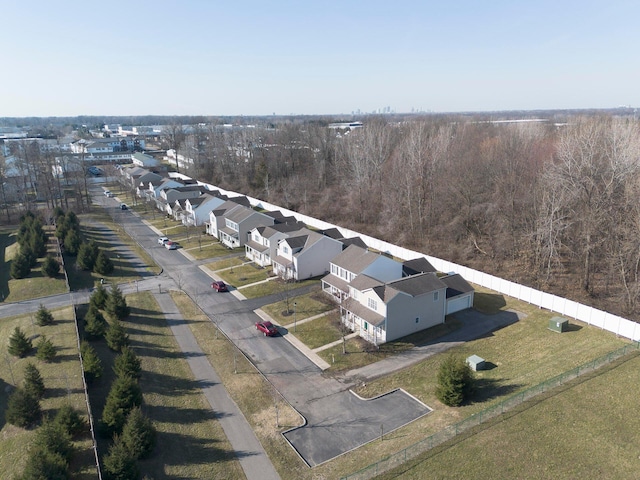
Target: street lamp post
(294,316)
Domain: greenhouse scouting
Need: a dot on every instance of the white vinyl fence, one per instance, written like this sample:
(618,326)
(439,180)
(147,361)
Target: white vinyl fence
(592,316)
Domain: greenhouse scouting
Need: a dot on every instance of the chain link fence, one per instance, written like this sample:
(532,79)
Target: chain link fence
(487,414)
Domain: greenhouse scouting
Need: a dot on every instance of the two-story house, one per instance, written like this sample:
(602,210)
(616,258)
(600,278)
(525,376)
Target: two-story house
(197,210)
(263,241)
(305,255)
(216,217)
(238,222)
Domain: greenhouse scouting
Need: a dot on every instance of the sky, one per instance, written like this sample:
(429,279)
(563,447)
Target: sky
(312,57)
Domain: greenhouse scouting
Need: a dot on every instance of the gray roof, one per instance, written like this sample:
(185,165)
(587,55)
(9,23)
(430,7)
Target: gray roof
(364,282)
(280,228)
(353,241)
(456,285)
(365,313)
(297,242)
(337,282)
(416,285)
(417,265)
(354,259)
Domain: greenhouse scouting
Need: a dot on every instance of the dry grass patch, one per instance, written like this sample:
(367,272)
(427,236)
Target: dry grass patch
(308,305)
(226,263)
(244,275)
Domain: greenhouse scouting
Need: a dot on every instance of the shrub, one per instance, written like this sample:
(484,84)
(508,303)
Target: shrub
(50,267)
(43,316)
(104,265)
(19,344)
(116,306)
(138,434)
(119,463)
(116,336)
(455,381)
(127,363)
(90,362)
(46,351)
(23,409)
(124,395)
(20,267)
(33,382)
(42,464)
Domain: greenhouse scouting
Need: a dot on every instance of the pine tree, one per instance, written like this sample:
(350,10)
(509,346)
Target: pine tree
(50,267)
(23,409)
(116,306)
(33,382)
(45,465)
(90,362)
(116,336)
(138,434)
(104,265)
(46,351)
(43,316)
(124,395)
(99,297)
(119,463)
(53,437)
(20,267)
(127,363)
(455,381)
(87,255)
(95,325)
(19,344)
(71,420)
(72,242)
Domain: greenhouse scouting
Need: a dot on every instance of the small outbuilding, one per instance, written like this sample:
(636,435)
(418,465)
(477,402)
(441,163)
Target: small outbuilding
(558,324)
(475,362)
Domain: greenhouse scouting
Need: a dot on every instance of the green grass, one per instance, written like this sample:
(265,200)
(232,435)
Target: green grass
(274,286)
(226,263)
(318,332)
(190,443)
(209,249)
(584,430)
(308,305)
(63,382)
(244,275)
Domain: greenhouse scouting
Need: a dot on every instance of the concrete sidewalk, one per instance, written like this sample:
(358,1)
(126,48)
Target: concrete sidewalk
(251,455)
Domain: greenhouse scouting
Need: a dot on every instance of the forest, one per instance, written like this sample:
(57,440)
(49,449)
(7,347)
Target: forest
(550,202)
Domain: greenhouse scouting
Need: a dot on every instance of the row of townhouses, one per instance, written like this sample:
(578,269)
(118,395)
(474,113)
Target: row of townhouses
(380,298)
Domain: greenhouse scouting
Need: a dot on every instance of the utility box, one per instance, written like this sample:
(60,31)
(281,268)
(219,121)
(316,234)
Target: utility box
(558,324)
(475,362)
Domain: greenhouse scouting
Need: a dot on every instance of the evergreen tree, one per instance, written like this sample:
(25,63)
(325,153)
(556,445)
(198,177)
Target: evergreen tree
(33,382)
(116,336)
(53,437)
(23,409)
(95,325)
(72,242)
(127,363)
(116,306)
(30,255)
(90,362)
(119,463)
(104,265)
(44,465)
(38,241)
(87,255)
(138,434)
(50,267)
(19,344)
(455,381)
(20,267)
(99,297)
(43,316)
(124,395)
(46,351)
(71,420)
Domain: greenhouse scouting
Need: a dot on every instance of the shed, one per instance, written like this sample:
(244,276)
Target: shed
(558,324)
(475,362)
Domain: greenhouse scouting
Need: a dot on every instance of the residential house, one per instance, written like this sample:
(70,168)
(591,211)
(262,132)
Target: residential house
(143,160)
(305,255)
(238,222)
(169,196)
(459,293)
(196,210)
(216,217)
(263,241)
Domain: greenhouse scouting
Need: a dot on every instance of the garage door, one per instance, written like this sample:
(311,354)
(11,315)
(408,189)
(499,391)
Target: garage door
(456,304)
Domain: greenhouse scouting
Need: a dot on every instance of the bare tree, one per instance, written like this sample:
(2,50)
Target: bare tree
(174,136)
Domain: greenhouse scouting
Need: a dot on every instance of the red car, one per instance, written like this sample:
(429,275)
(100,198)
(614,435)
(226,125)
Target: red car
(219,286)
(268,328)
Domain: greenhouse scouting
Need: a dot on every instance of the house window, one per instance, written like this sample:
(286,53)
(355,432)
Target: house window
(285,249)
(417,319)
(372,304)
(366,326)
(435,296)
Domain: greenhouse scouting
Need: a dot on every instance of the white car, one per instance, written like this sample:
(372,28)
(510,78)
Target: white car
(107,193)
(163,240)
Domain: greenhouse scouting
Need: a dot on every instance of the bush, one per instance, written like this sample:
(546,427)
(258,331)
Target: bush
(99,297)
(90,362)
(43,316)
(20,267)
(42,464)
(104,265)
(23,409)
(127,363)
(138,434)
(119,463)
(50,267)
(52,437)
(455,381)
(116,306)
(33,383)
(19,344)
(71,420)
(116,336)
(46,351)
(124,395)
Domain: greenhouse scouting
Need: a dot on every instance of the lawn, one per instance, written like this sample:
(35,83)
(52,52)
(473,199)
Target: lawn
(190,443)
(244,275)
(63,382)
(307,305)
(561,437)
(226,262)
(318,332)
(274,286)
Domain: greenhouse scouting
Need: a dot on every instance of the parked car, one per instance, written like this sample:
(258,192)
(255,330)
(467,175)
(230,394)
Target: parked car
(107,193)
(123,206)
(171,245)
(267,328)
(219,286)
(163,240)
